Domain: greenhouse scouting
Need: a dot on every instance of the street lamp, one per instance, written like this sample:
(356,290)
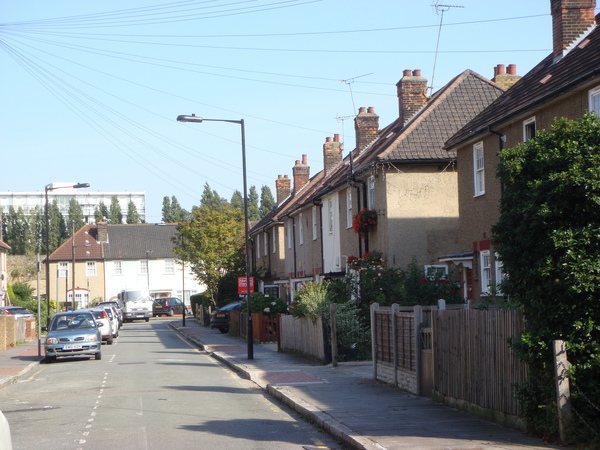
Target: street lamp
(50,187)
(194,119)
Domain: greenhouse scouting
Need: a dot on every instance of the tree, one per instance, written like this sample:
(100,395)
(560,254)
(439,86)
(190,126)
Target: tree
(548,241)
(101,212)
(211,198)
(132,213)
(237,201)
(57,232)
(253,210)
(76,214)
(212,241)
(115,215)
(266,201)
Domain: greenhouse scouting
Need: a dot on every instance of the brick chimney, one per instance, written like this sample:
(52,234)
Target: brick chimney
(366,127)
(570,19)
(283,187)
(505,78)
(412,94)
(102,231)
(301,172)
(332,153)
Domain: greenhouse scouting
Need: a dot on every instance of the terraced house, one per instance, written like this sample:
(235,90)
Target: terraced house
(400,171)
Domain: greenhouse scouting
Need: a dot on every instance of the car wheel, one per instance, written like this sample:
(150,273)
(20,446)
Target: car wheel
(171,312)
(109,341)
(223,330)
(98,356)
(147,319)
(116,335)
(50,359)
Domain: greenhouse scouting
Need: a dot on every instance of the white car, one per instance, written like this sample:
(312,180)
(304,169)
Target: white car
(114,318)
(106,329)
(5,439)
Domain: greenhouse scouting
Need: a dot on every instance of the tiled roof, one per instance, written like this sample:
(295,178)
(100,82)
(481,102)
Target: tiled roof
(132,241)
(546,81)
(86,246)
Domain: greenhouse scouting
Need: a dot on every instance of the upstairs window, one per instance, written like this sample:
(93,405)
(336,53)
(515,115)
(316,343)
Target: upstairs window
(314,223)
(371,193)
(595,101)
(117,268)
(528,129)
(169,266)
(144,266)
(63,269)
(479,169)
(90,269)
(330,215)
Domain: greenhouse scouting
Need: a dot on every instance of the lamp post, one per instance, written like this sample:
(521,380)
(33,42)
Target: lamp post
(194,119)
(50,187)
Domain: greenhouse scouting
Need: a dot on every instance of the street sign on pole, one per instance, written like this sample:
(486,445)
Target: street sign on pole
(242,285)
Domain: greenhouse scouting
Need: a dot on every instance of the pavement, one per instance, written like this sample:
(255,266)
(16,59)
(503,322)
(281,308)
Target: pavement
(345,401)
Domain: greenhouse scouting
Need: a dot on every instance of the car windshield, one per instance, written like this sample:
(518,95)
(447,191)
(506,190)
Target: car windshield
(72,321)
(18,311)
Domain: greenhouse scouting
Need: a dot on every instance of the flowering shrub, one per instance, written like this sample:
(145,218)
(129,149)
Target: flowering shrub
(364,221)
(260,302)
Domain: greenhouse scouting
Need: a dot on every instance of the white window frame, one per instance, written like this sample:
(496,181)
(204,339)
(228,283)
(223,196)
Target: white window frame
(144,266)
(594,101)
(63,269)
(290,234)
(314,223)
(274,244)
(478,169)
(371,192)
(435,272)
(258,245)
(266,244)
(90,269)
(169,267)
(499,272)
(117,268)
(485,271)
(349,208)
(529,128)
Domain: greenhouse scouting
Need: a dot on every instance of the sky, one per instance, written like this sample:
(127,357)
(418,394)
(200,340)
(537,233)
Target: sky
(91,90)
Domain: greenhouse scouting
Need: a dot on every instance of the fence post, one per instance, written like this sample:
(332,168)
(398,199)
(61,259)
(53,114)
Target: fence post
(418,318)
(395,309)
(334,347)
(374,307)
(563,394)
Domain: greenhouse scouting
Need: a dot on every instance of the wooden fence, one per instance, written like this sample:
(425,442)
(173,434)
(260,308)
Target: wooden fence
(458,356)
(305,336)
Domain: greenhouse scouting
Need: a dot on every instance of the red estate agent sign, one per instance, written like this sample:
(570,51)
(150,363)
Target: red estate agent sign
(242,285)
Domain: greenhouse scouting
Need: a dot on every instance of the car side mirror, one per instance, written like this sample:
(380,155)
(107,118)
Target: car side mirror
(99,324)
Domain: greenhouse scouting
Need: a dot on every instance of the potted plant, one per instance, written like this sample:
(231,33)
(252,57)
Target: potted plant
(364,221)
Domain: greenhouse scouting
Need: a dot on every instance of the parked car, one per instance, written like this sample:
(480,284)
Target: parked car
(73,334)
(17,311)
(117,306)
(5,439)
(167,306)
(105,324)
(220,317)
(114,318)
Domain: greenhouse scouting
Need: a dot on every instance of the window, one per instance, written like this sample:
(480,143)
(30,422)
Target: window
(289,233)
(169,266)
(486,271)
(314,223)
(144,266)
(117,268)
(90,269)
(266,244)
(349,208)
(300,229)
(371,193)
(436,272)
(258,245)
(528,128)
(595,101)
(330,216)
(274,244)
(63,269)
(272,291)
(479,169)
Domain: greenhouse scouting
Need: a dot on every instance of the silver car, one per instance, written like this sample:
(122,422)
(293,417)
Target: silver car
(73,333)
(105,324)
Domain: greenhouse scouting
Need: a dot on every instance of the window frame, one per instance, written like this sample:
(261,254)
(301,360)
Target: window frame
(330,215)
(258,245)
(274,237)
(169,267)
(478,169)
(485,271)
(266,244)
(63,269)
(436,268)
(117,268)
(314,223)
(594,95)
(144,269)
(300,229)
(349,214)
(529,128)
(90,269)
(371,192)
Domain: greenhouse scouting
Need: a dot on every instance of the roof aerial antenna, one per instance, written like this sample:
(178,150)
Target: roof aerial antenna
(342,119)
(439,9)
(349,82)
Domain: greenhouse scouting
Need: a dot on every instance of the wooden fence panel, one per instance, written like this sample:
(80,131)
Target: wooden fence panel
(304,336)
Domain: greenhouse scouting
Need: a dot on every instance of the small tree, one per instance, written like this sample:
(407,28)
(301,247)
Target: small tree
(75,215)
(266,201)
(115,214)
(132,213)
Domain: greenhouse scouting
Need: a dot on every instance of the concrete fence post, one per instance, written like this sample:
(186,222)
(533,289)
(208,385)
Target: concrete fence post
(563,393)
(418,318)
(334,346)
(374,308)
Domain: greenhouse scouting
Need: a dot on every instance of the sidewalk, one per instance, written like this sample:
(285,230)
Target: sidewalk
(18,360)
(348,404)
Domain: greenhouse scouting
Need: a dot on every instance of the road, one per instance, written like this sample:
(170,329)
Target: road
(151,390)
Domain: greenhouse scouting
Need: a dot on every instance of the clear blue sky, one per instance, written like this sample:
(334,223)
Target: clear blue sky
(91,90)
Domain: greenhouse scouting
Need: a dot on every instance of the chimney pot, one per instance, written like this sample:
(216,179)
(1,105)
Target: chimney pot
(371,109)
(304,159)
(501,70)
(512,69)
(417,73)
(361,110)
(336,138)
(328,139)
(406,73)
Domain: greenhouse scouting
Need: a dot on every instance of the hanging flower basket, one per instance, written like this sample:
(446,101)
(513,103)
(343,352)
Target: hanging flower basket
(364,221)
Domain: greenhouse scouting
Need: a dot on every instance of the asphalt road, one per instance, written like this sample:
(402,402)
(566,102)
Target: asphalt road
(151,390)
